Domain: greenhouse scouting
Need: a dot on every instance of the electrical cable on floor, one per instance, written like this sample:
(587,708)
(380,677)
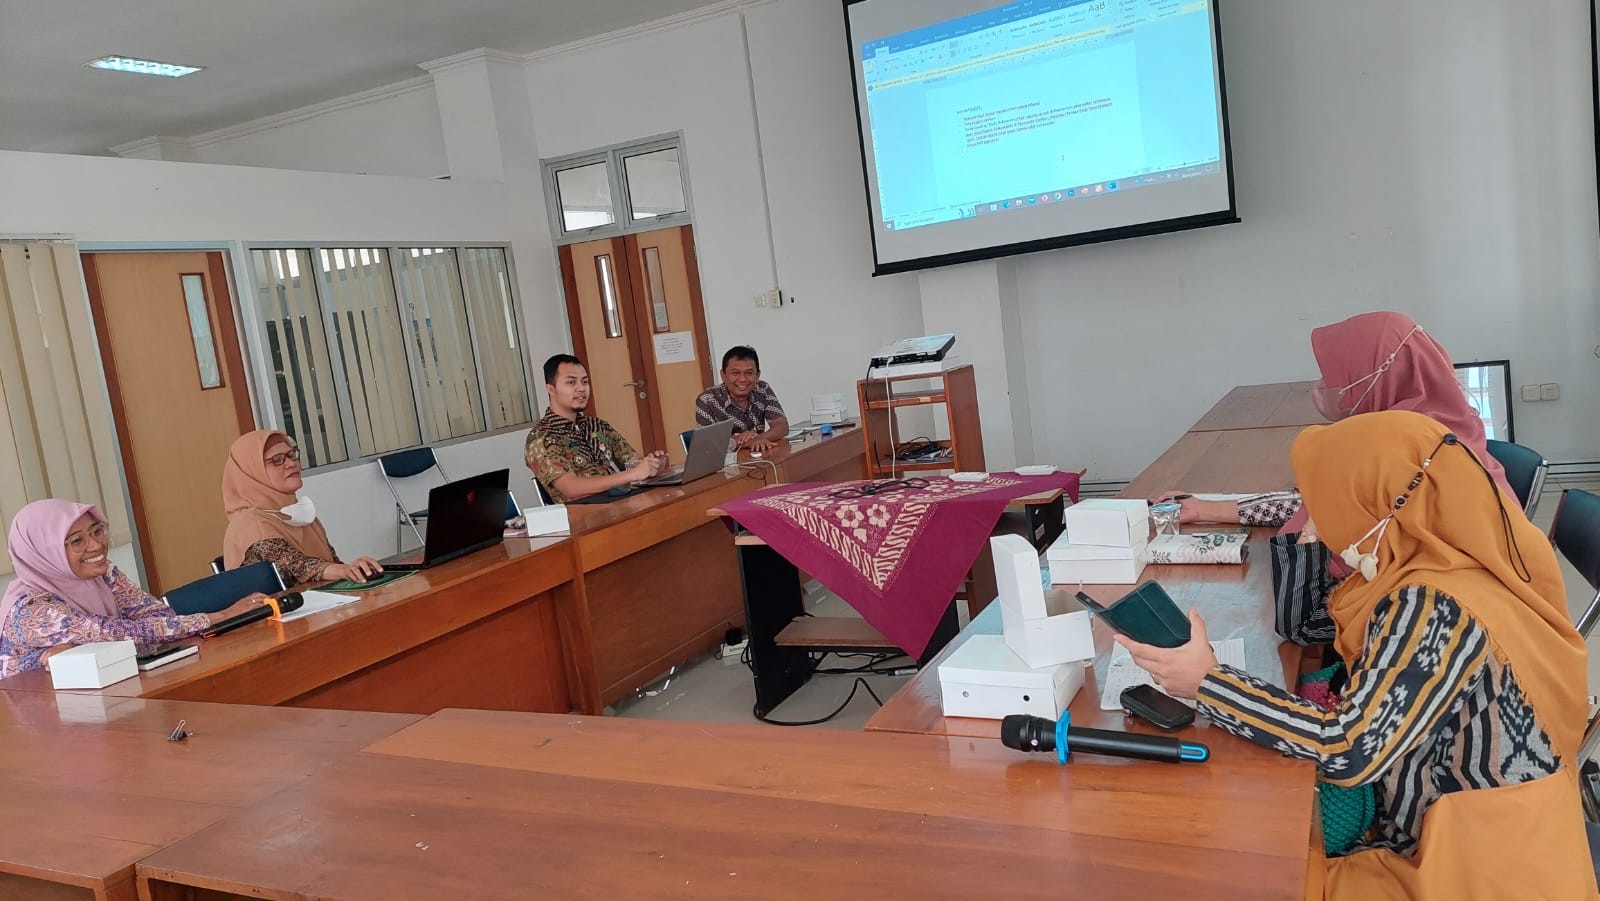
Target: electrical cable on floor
(859,683)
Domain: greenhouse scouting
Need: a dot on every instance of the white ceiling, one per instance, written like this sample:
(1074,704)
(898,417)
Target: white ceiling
(262,57)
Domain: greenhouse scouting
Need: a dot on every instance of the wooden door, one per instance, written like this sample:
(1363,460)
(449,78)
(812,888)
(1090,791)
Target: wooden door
(600,309)
(645,344)
(178,396)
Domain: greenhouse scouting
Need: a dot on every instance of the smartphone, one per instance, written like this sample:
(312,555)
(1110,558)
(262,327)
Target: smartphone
(164,655)
(1151,705)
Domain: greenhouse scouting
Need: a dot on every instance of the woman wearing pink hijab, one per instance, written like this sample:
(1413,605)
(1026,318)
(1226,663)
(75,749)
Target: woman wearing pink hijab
(1370,362)
(67,592)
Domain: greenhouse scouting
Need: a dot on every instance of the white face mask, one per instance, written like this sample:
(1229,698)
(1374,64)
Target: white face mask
(301,513)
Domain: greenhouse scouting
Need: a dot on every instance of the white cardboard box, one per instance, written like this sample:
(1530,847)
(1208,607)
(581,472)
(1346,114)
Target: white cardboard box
(1109,522)
(984,679)
(93,665)
(1098,572)
(1043,628)
(1063,551)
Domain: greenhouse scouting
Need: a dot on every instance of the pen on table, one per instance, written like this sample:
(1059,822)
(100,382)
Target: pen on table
(1171,498)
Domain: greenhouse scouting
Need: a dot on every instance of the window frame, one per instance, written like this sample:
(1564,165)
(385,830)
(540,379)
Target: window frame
(613,156)
(271,400)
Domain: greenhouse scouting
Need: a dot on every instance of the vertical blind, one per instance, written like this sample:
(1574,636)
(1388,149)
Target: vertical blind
(56,437)
(377,349)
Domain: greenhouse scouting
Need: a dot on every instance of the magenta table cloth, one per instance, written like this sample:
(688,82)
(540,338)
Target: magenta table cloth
(897,557)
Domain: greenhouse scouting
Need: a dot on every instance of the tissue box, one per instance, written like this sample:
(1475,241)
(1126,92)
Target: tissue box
(982,678)
(1108,522)
(1042,628)
(549,520)
(93,665)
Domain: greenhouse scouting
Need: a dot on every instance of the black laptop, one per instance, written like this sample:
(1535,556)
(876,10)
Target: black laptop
(463,516)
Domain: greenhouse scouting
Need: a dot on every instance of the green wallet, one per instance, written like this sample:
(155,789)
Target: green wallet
(1146,614)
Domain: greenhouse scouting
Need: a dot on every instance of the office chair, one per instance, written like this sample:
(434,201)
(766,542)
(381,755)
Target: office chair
(1576,534)
(545,500)
(216,564)
(402,466)
(1525,470)
(217,592)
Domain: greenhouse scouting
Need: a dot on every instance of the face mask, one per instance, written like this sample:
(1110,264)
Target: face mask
(301,513)
(1328,400)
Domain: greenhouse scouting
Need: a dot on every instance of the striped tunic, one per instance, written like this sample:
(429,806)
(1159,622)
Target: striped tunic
(1429,710)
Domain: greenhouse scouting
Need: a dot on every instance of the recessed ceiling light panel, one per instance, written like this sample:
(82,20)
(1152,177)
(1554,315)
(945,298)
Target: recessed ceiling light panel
(142,66)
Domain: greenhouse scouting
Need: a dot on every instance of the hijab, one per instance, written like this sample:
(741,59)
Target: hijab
(1450,535)
(38,544)
(252,504)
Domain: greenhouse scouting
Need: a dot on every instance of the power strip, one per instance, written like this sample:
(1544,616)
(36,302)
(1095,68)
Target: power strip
(733,654)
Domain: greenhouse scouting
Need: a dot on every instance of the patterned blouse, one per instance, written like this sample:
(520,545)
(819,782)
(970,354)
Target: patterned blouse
(716,405)
(1271,509)
(43,621)
(294,566)
(586,446)
(1429,710)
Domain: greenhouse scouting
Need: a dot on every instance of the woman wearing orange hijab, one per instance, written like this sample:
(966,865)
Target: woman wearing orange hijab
(266,522)
(1369,363)
(1465,706)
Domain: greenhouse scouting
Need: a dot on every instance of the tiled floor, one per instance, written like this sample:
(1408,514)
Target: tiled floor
(712,691)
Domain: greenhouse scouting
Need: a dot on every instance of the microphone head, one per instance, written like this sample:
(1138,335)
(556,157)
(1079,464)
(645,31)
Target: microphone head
(1021,732)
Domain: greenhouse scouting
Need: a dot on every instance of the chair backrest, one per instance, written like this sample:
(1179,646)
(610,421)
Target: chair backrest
(217,592)
(407,463)
(545,500)
(513,509)
(686,436)
(1524,468)
(216,564)
(1576,532)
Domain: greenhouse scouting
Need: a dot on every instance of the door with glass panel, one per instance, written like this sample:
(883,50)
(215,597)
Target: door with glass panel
(179,398)
(639,325)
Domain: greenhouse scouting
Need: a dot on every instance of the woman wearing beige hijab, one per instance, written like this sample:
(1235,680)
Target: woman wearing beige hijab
(266,522)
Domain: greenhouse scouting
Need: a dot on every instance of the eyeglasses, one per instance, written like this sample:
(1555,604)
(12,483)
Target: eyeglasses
(76,540)
(884,487)
(277,459)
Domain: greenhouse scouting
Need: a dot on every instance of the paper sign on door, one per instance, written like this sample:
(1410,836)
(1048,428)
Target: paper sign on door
(674,347)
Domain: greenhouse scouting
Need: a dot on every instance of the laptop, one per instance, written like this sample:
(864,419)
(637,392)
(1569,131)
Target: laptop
(708,451)
(463,516)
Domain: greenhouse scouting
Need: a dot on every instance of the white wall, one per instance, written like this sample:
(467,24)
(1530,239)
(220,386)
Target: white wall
(1435,158)
(695,78)
(395,133)
(102,199)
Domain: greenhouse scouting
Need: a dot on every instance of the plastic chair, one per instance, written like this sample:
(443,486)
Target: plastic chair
(1576,534)
(402,466)
(1525,470)
(219,591)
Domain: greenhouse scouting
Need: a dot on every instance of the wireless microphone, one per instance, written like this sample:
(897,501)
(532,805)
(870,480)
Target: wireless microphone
(272,606)
(1034,733)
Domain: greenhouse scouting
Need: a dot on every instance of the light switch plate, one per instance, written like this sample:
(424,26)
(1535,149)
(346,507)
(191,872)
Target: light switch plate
(1530,393)
(1550,391)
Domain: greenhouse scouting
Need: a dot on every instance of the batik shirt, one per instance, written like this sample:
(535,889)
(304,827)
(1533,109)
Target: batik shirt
(42,621)
(1429,710)
(585,446)
(716,405)
(294,565)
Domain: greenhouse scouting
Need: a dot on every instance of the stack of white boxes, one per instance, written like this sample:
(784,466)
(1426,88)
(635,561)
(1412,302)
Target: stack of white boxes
(1106,542)
(1036,666)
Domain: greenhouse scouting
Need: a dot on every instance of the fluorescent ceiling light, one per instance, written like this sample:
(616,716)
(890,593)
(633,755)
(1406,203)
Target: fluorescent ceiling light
(142,66)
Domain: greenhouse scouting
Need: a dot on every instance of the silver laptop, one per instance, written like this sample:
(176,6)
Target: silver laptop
(708,449)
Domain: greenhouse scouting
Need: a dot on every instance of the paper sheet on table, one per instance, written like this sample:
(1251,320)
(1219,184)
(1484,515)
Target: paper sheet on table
(318,601)
(1123,674)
